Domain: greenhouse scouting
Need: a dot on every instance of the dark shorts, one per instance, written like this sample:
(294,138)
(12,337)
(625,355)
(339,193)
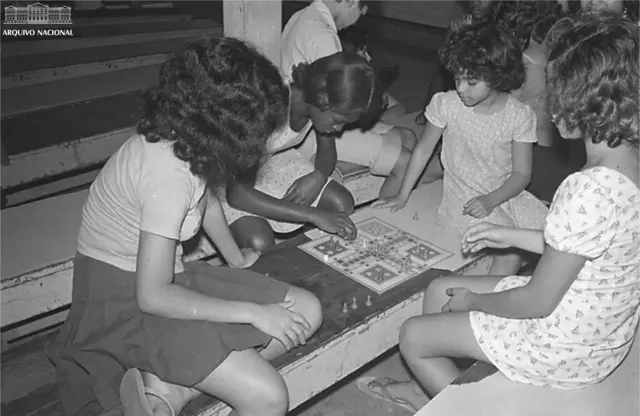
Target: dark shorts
(106,333)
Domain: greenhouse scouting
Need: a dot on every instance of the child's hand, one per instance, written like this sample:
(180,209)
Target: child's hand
(337,223)
(282,323)
(478,207)
(485,235)
(394,203)
(459,301)
(250,256)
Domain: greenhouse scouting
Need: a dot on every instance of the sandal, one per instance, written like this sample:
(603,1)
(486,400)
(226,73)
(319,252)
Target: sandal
(376,387)
(133,395)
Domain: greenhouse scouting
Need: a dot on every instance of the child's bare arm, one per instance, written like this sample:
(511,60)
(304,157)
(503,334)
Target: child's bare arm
(521,162)
(551,279)
(216,226)
(420,157)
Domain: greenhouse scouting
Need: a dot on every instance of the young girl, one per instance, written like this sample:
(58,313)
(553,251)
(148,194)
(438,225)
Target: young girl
(355,40)
(573,322)
(487,139)
(289,190)
(180,329)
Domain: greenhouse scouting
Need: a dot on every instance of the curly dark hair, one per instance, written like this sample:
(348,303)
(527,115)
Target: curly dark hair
(593,78)
(218,101)
(484,52)
(341,82)
(525,19)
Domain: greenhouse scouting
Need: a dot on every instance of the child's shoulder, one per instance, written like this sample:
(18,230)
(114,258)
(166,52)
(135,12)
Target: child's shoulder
(519,109)
(601,183)
(446,98)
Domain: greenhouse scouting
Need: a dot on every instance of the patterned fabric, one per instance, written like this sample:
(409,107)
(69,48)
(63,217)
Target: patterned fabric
(476,157)
(595,214)
(282,167)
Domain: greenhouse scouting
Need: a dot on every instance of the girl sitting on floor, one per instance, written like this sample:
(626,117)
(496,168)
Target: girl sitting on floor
(487,139)
(177,328)
(289,190)
(572,323)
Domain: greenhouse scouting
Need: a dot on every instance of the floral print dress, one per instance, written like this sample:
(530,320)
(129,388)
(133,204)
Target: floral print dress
(595,214)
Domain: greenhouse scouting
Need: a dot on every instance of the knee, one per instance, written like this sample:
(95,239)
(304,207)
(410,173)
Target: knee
(409,338)
(307,305)
(254,233)
(339,199)
(269,398)
(433,300)
(262,242)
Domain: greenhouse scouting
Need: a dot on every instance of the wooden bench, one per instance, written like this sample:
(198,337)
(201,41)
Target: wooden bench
(31,376)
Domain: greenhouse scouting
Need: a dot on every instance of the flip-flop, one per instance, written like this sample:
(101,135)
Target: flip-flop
(376,387)
(133,395)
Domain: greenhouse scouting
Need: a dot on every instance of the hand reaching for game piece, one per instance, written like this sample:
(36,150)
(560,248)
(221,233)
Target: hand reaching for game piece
(337,223)
(485,235)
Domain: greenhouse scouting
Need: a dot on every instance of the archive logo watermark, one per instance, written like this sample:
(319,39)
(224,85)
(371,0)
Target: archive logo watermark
(37,14)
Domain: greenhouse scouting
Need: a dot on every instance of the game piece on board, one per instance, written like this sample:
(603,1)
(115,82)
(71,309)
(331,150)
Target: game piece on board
(415,216)
(354,304)
(368,302)
(325,258)
(345,309)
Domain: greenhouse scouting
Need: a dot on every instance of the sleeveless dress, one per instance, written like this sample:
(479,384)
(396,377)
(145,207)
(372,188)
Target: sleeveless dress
(282,167)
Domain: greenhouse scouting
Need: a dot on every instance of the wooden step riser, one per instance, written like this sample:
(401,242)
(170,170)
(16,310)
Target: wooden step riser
(53,54)
(77,90)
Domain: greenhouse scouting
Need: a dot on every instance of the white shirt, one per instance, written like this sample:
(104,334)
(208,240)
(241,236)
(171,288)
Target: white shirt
(143,187)
(309,35)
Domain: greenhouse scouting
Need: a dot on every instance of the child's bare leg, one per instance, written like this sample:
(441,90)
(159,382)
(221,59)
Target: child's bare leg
(426,340)
(305,304)
(270,401)
(253,232)
(505,264)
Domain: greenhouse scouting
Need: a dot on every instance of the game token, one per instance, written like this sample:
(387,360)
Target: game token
(368,302)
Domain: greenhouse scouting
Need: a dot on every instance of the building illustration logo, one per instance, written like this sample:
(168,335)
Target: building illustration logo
(37,14)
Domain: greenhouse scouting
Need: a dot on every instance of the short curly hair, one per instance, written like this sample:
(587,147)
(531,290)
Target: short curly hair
(593,78)
(218,101)
(525,19)
(484,52)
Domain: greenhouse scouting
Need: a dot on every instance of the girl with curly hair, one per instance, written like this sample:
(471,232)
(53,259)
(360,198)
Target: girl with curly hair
(145,328)
(487,139)
(572,323)
(327,95)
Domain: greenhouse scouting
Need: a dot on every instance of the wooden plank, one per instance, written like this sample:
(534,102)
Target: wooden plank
(43,76)
(23,48)
(77,90)
(257,22)
(42,163)
(47,128)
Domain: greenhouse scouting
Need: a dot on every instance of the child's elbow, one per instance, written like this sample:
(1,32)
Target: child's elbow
(148,302)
